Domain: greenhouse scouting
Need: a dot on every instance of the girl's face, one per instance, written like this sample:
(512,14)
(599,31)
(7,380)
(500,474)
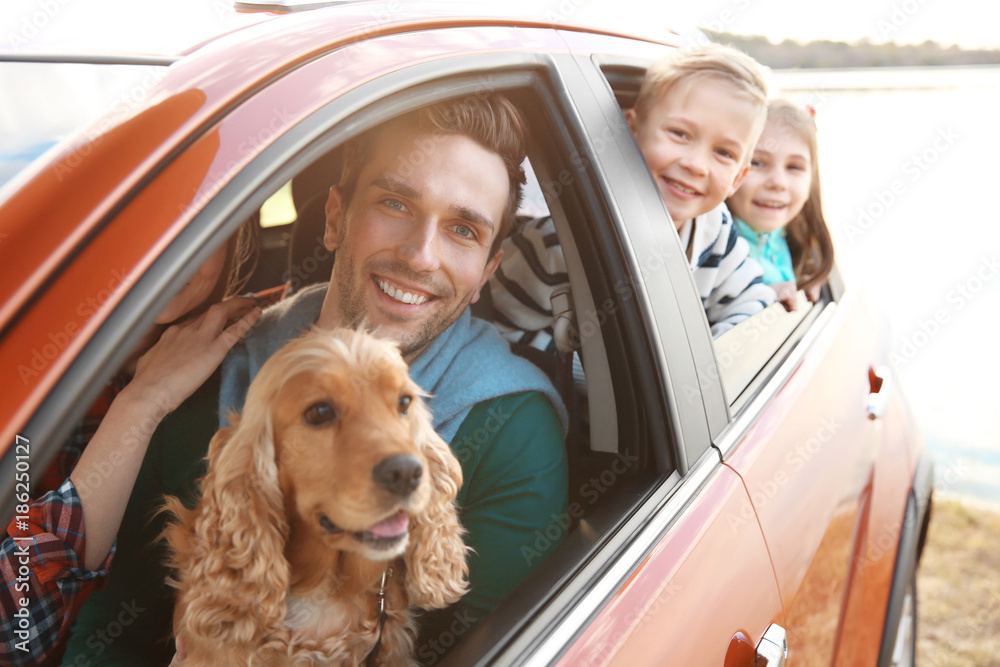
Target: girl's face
(777,185)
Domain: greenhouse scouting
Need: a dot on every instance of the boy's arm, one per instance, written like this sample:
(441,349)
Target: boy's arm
(738,291)
(533,268)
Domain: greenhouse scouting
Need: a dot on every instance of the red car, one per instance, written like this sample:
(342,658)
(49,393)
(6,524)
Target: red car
(732,501)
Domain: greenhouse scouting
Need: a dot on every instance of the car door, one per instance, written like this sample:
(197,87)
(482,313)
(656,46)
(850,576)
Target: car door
(689,587)
(818,466)
(790,399)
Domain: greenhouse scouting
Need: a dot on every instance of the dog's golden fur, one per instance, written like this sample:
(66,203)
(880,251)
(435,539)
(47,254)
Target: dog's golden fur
(261,577)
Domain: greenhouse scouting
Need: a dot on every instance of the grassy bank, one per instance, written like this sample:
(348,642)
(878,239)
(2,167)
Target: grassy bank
(959,587)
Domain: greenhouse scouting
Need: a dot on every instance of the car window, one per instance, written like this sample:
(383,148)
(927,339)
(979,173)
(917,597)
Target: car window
(748,354)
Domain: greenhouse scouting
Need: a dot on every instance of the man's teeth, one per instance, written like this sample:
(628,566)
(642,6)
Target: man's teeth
(400,295)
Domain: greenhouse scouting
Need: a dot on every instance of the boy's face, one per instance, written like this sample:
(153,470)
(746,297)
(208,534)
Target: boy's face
(695,140)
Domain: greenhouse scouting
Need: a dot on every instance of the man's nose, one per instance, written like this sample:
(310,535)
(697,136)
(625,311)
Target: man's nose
(419,248)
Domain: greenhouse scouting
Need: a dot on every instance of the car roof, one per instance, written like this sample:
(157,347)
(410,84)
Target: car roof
(166,31)
(263,49)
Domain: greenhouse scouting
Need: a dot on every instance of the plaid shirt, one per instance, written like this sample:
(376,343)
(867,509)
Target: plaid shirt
(50,545)
(42,563)
(42,559)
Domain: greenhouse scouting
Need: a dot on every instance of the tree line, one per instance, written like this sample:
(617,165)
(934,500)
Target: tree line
(790,54)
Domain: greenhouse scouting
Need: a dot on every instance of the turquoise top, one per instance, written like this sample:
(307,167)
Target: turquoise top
(770,250)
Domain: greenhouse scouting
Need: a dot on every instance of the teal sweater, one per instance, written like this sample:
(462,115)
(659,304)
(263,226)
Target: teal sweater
(770,250)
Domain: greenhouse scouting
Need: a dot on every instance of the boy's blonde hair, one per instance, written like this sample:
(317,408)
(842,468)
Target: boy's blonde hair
(723,63)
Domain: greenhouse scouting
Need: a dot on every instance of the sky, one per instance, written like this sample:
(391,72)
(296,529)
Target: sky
(967,23)
(139,24)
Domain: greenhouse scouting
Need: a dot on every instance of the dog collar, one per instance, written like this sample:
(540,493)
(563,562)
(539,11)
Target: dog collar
(373,654)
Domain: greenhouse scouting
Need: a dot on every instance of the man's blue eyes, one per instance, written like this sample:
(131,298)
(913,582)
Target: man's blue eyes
(465,231)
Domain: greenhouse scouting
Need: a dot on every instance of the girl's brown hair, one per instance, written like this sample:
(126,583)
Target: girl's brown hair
(807,234)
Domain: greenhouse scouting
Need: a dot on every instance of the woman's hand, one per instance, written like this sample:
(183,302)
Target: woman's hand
(188,353)
(184,357)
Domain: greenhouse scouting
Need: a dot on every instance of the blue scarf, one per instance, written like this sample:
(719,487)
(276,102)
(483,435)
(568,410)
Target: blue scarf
(466,364)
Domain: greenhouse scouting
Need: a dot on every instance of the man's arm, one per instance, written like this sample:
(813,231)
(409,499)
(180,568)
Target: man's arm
(512,503)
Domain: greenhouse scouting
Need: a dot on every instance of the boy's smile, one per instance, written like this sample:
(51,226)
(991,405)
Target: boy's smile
(695,140)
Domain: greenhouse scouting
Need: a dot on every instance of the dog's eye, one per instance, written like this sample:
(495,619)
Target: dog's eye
(319,414)
(404,404)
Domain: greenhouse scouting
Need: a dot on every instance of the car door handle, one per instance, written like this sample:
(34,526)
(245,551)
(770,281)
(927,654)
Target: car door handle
(772,649)
(880,383)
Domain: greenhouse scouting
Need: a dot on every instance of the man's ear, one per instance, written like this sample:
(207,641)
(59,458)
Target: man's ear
(334,218)
(491,266)
(738,180)
(633,120)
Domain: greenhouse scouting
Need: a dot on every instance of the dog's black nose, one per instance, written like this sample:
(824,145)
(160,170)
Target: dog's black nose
(400,474)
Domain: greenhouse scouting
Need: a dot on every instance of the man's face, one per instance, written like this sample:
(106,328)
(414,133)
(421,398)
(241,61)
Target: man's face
(413,243)
(695,140)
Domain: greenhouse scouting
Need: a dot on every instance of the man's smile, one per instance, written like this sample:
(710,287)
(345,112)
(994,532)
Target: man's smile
(401,294)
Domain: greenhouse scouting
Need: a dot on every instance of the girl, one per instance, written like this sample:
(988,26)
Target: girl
(778,209)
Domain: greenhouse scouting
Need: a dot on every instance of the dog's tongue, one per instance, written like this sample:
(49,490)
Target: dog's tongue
(391,527)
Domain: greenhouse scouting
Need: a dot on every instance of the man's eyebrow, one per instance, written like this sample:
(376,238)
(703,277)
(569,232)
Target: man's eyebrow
(473,216)
(470,215)
(396,187)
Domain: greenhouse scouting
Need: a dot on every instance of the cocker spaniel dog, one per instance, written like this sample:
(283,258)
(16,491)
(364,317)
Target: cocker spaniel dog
(327,515)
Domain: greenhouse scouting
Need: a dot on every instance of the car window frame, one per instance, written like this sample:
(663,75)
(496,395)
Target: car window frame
(687,377)
(731,404)
(619,166)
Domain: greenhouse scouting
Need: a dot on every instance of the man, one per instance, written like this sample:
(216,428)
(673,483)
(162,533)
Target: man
(416,222)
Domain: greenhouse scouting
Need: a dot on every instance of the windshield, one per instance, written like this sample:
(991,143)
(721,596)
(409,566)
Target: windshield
(44,103)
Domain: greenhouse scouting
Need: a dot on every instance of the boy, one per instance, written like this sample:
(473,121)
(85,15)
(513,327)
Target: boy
(696,120)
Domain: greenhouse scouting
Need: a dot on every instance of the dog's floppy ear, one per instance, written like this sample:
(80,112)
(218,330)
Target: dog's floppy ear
(238,576)
(437,572)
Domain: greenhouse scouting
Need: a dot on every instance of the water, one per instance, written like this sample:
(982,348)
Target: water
(909,163)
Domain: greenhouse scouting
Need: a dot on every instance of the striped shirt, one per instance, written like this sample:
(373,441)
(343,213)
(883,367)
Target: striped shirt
(729,282)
